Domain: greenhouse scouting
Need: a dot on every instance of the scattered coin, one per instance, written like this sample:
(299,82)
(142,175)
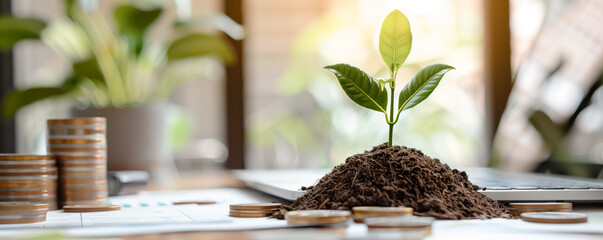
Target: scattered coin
(554,217)
(519,208)
(251,214)
(194,202)
(362,212)
(255,206)
(541,205)
(90,208)
(399,222)
(317,216)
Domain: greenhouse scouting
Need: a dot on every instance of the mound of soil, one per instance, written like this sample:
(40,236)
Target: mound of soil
(399,176)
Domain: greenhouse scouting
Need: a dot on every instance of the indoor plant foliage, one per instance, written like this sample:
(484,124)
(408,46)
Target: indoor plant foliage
(395,42)
(115,62)
(390,175)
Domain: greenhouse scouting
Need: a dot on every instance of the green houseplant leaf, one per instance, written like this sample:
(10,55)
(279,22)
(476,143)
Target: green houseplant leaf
(421,85)
(134,22)
(360,87)
(13,29)
(395,40)
(21,98)
(199,44)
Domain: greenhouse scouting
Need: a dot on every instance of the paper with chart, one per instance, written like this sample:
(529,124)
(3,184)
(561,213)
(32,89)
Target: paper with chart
(153,212)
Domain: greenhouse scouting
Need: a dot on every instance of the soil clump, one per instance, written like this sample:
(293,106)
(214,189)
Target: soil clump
(399,176)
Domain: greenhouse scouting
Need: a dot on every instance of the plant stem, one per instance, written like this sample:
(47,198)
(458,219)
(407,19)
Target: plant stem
(391,112)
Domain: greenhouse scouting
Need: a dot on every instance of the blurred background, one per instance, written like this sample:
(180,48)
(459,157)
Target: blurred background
(244,85)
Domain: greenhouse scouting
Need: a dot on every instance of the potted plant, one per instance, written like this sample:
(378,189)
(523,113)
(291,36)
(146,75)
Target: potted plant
(391,175)
(120,72)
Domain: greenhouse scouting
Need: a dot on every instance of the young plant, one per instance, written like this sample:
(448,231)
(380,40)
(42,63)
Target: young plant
(395,41)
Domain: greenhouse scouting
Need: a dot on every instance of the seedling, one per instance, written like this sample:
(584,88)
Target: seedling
(395,42)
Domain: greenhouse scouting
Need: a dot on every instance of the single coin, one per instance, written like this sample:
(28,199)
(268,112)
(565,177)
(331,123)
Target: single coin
(253,206)
(76,141)
(547,205)
(27,193)
(516,211)
(4,179)
(256,211)
(194,202)
(317,216)
(399,222)
(382,210)
(91,208)
(248,215)
(554,217)
(77,121)
(72,149)
(25,212)
(22,206)
(19,157)
(91,157)
(85,130)
(26,197)
(62,155)
(84,203)
(38,218)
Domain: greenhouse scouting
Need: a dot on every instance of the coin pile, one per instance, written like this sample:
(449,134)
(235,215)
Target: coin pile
(28,178)
(363,212)
(22,212)
(312,217)
(554,217)
(519,208)
(408,223)
(81,149)
(253,210)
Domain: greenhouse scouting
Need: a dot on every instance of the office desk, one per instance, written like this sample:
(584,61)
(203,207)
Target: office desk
(221,179)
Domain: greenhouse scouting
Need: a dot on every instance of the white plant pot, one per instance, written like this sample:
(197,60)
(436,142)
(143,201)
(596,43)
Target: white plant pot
(137,137)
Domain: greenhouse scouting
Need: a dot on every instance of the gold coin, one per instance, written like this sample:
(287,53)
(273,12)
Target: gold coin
(96,156)
(77,121)
(27,193)
(72,149)
(264,211)
(40,218)
(516,211)
(317,216)
(90,208)
(254,206)
(362,212)
(546,205)
(22,206)
(76,141)
(25,212)
(554,217)
(194,202)
(20,157)
(407,222)
(248,215)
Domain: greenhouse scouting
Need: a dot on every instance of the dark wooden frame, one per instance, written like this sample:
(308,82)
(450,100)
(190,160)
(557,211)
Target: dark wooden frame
(7,125)
(234,94)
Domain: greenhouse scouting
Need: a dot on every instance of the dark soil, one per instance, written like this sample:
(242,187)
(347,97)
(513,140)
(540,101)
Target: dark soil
(399,176)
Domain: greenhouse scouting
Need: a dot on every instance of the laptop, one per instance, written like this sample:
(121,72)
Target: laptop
(499,185)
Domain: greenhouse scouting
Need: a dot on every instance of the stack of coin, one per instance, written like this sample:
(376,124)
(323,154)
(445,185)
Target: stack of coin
(315,217)
(28,178)
(22,212)
(253,210)
(81,150)
(362,212)
(408,223)
(519,208)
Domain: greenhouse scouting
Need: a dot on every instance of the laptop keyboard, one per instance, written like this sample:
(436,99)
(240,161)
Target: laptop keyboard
(496,180)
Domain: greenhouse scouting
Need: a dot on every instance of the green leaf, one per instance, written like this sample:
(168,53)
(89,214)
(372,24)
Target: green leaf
(133,22)
(198,45)
(421,85)
(88,68)
(13,30)
(21,98)
(395,40)
(360,87)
